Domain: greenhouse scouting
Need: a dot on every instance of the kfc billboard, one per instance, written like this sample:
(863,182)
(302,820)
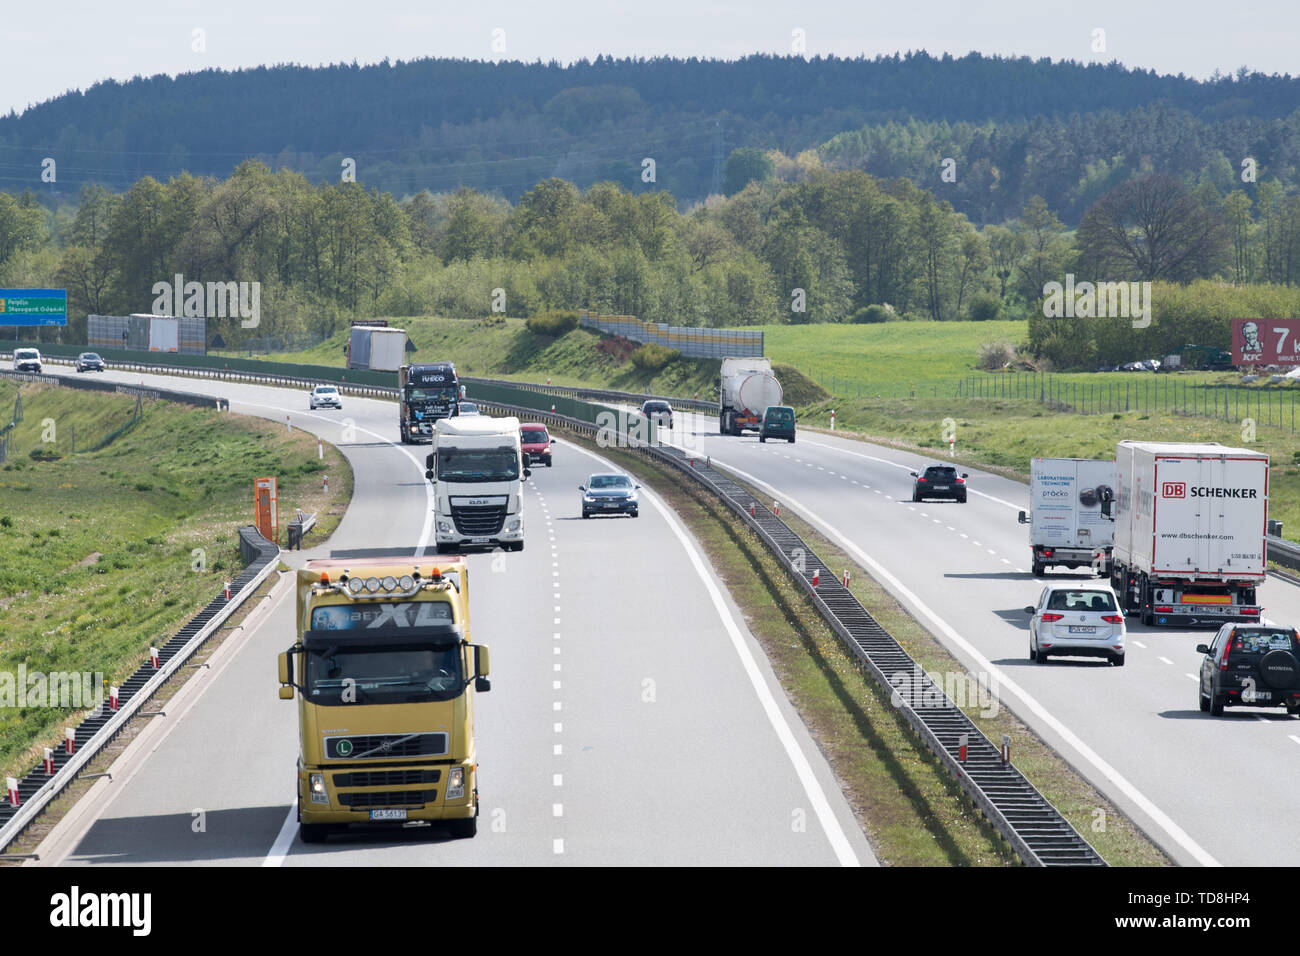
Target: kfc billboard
(1266,341)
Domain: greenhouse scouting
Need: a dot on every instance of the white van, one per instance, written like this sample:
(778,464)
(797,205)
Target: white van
(27,360)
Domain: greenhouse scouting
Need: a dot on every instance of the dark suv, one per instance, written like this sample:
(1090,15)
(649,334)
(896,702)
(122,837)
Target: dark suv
(778,422)
(1250,665)
(939,481)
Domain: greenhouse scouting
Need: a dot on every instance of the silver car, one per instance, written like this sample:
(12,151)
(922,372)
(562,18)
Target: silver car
(1076,620)
(325,396)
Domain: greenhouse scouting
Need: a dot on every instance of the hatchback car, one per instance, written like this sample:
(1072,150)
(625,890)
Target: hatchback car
(658,411)
(939,481)
(1250,665)
(609,494)
(1076,620)
(90,362)
(536,442)
(27,360)
(325,396)
(778,422)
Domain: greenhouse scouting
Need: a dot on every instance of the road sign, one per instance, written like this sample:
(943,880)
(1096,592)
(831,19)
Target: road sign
(31,307)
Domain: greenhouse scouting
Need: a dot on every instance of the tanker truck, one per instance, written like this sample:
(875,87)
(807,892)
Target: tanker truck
(747,388)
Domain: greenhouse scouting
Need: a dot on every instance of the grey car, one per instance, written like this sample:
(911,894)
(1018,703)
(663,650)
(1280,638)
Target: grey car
(609,494)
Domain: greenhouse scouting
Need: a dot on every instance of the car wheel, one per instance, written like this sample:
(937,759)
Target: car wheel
(1117,660)
(585,513)
(791,441)
(1148,619)
(961,500)
(762,440)
(313,832)
(915,496)
(548,461)
(1033,654)
(636,514)
(1202,701)
(1293,710)
(1216,706)
(1042,656)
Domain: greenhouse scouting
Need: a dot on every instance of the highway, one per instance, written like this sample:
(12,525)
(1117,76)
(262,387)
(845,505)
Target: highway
(633,720)
(1136,732)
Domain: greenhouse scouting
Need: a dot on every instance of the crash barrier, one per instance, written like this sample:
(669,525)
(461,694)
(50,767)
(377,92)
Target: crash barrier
(99,385)
(52,776)
(1036,830)
(690,341)
(299,526)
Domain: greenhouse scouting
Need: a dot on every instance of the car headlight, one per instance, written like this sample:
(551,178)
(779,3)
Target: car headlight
(318,794)
(456,784)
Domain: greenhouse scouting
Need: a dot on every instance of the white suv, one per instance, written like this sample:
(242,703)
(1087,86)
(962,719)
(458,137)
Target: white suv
(325,396)
(27,360)
(1076,620)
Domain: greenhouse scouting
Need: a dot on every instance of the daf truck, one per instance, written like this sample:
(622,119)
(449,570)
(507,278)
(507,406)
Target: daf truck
(478,473)
(1067,524)
(425,393)
(1190,520)
(385,678)
(747,388)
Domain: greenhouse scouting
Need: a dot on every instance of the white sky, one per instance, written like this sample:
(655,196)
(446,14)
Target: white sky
(48,48)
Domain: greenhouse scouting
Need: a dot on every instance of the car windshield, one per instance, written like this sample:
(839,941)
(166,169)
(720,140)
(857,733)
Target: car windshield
(326,390)
(90,356)
(1081,601)
(779,414)
(534,438)
(1251,641)
(608,482)
(487,464)
(941,474)
(656,406)
(20,354)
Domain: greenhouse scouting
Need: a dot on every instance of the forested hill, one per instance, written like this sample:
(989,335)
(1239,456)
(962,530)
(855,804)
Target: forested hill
(439,124)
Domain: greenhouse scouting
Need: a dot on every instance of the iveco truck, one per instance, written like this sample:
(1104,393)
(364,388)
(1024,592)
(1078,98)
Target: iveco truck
(1067,526)
(1190,521)
(425,393)
(478,473)
(385,677)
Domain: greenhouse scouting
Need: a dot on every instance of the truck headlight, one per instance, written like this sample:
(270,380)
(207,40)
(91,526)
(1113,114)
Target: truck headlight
(514,525)
(318,794)
(444,526)
(456,784)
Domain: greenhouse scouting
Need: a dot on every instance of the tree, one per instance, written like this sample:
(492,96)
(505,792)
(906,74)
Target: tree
(1006,252)
(1153,228)
(1045,248)
(744,166)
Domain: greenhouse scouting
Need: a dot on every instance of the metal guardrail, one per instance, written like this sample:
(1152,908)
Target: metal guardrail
(97,730)
(144,391)
(1035,829)
(1283,552)
(604,394)
(299,526)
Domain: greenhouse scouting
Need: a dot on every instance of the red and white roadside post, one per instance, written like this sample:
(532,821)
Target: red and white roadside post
(325,484)
(69,740)
(548,380)
(320,449)
(153,657)
(225,592)
(112,698)
(846,577)
(817,577)
(952,446)
(49,761)
(287,425)
(962,742)
(776,509)
(752,513)
(1006,750)
(832,419)
(12,784)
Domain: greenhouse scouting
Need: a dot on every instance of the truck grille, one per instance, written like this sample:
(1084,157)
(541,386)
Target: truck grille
(386,778)
(385,746)
(479,521)
(389,798)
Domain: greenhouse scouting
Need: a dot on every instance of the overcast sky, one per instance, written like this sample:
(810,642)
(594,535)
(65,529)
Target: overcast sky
(49,48)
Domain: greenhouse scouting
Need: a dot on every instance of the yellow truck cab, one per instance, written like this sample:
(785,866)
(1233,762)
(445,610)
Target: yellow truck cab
(385,678)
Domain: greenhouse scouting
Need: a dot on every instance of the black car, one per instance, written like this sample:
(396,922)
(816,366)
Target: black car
(658,411)
(609,494)
(939,481)
(1250,665)
(90,362)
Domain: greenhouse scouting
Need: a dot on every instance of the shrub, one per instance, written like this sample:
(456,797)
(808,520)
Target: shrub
(553,324)
(651,357)
(984,307)
(44,454)
(994,355)
(872,313)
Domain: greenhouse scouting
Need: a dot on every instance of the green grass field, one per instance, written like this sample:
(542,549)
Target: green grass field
(105,553)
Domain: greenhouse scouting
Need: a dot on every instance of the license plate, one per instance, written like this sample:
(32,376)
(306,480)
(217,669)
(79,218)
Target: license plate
(388,814)
(611,505)
(478,540)
(942,487)
(1075,629)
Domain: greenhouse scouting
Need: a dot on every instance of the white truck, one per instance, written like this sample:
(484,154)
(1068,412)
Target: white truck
(747,388)
(1190,521)
(1067,527)
(376,348)
(478,473)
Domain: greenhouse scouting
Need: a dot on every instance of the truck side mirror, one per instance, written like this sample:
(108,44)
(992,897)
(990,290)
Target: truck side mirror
(1022,518)
(428,460)
(482,667)
(428,473)
(528,473)
(284,671)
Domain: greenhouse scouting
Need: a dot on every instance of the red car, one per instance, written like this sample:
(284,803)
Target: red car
(536,442)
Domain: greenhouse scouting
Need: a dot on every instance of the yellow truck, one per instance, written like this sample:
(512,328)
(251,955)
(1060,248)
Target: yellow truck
(385,677)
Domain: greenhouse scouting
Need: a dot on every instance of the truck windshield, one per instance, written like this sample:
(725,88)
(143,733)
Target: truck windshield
(377,674)
(446,393)
(485,464)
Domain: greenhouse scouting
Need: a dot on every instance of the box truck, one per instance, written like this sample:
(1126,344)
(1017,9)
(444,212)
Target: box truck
(377,349)
(747,388)
(478,473)
(1190,521)
(1067,526)
(385,677)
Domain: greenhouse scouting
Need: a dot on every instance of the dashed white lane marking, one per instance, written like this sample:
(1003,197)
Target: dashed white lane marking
(557,846)
(555,685)
(1005,561)
(1294,737)
(1191,677)
(558,728)
(990,551)
(557,809)
(1021,571)
(1166,660)
(557,779)
(1161,819)
(1140,644)
(558,750)
(966,536)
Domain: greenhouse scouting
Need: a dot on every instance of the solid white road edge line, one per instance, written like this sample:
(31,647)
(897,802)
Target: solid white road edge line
(821,805)
(1158,816)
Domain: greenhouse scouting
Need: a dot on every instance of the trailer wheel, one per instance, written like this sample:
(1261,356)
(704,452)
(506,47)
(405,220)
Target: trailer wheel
(1038,568)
